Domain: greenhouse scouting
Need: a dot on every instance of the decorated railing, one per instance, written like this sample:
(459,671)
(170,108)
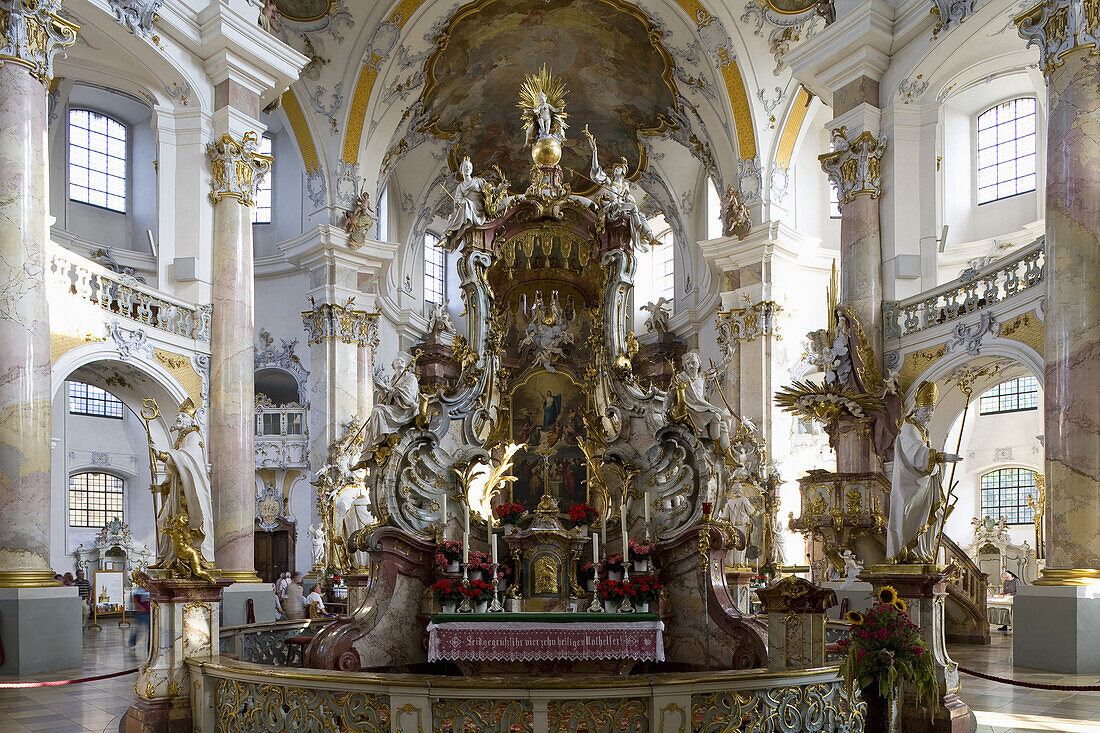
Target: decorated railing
(231,696)
(975,291)
(967,587)
(124,296)
(265,643)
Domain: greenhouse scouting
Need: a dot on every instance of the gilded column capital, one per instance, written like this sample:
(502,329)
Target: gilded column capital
(237,168)
(746,324)
(854,166)
(1059,27)
(331,321)
(32,32)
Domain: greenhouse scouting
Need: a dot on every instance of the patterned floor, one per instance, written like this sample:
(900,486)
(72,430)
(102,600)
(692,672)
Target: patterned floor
(98,706)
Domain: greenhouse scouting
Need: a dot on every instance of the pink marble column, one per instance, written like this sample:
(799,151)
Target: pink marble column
(1072,324)
(861,264)
(232,385)
(32,35)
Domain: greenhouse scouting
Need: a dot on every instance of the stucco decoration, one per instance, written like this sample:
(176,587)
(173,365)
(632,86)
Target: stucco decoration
(620,79)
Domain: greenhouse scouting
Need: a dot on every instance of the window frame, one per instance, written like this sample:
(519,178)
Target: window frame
(1000,397)
(269,180)
(977,149)
(1021,508)
(110,400)
(441,267)
(127,152)
(107,510)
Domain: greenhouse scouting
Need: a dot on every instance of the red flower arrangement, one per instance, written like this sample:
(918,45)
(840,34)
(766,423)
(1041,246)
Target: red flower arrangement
(509,513)
(481,561)
(583,514)
(447,591)
(613,562)
(641,550)
(451,549)
(615,590)
(646,588)
(587,570)
(478,591)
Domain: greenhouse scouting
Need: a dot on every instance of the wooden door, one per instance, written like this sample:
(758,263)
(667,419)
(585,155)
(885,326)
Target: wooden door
(272,554)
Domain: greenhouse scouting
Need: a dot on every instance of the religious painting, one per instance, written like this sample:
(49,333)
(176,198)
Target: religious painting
(303,10)
(618,77)
(548,415)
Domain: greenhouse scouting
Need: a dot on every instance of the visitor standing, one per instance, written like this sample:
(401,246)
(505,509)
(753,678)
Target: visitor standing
(141,613)
(85,589)
(293,603)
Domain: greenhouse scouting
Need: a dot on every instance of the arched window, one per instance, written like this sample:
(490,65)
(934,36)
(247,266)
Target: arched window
(382,209)
(85,399)
(1015,395)
(94,499)
(435,270)
(1006,150)
(1005,493)
(261,212)
(656,276)
(97,160)
(714,211)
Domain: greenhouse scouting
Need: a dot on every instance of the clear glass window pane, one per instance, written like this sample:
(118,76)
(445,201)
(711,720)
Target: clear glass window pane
(435,259)
(97,160)
(1005,157)
(261,213)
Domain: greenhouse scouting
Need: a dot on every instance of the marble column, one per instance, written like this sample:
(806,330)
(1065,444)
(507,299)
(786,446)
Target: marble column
(237,168)
(39,622)
(1055,619)
(26,68)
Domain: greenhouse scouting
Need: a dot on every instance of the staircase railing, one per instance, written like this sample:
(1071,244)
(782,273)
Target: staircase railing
(968,586)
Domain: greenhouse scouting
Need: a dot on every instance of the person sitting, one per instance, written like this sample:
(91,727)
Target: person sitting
(316,604)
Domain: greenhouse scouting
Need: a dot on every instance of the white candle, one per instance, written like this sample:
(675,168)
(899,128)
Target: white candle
(595,551)
(626,544)
(465,532)
(493,545)
(443,517)
(489,526)
(646,498)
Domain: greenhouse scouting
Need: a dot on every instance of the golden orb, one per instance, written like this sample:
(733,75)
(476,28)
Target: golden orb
(546,151)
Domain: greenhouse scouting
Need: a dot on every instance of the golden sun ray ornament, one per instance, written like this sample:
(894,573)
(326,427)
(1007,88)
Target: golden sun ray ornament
(543,82)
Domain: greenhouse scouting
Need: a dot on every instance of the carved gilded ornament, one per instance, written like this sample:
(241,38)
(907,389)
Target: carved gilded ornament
(746,324)
(237,168)
(331,321)
(1058,27)
(854,166)
(32,32)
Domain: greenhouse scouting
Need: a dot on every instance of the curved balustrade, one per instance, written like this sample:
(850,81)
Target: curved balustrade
(235,696)
(265,643)
(124,296)
(976,290)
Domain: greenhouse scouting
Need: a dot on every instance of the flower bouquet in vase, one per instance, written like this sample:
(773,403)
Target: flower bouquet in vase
(612,567)
(448,557)
(646,591)
(481,566)
(480,593)
(586,574)
(641,551)
(509,515)
(884,650)
(448,593)
(583,515)
(612,593)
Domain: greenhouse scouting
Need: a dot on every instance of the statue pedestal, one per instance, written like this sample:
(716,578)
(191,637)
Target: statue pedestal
(739,580)
(925,591)
(184,625)
(796,623)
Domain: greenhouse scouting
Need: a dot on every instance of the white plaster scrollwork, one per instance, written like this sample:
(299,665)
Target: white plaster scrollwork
(32,33)
(854,166)
(746,324)
(750,179)
(780,183)
(328,320)
(1058,27)
(283,358)
(347,184)
(910,88)
(315,187)
(130,343)
(201,364)
(970,337)
(202,325)
(100,459)
(237,168)
(136,15)
(951,13)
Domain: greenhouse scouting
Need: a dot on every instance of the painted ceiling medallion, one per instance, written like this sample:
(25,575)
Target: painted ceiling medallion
(608,54)
(792,7)
(303,11)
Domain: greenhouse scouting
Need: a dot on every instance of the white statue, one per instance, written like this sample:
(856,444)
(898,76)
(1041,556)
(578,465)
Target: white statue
(547,333)
(317,537)
(687,402)
(352,511)
(853,566)
(838,358)
(916,503)
(439,319)
(186,486)
(469,205)
(397,403)
(542,125)
(616,201)
(658,315)
(739,511)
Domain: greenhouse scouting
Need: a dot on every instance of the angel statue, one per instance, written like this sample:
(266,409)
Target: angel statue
(616,201)
(736,220)
(658,315)
(542,107)
(360,220)
(469,204)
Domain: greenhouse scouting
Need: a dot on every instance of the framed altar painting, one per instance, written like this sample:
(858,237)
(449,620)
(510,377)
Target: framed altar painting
(548,415)
(108,591)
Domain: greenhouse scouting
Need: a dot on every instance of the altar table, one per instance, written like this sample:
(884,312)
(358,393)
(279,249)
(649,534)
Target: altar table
(998,610)
(548,643)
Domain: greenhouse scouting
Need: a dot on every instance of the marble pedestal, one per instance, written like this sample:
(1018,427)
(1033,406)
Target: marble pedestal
(925,591)
(738,580)
(235,603)
(40,628)
(1057,628)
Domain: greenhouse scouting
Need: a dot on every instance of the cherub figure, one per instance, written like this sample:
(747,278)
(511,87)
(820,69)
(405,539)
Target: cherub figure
(360,220)
(736,221)
(187,557)
(270,18)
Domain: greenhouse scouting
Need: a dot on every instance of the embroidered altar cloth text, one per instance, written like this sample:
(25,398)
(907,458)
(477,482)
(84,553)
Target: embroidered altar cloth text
(532,641)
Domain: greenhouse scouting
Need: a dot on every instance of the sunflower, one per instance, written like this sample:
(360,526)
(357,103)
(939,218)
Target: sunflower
(886,594)
(901,605)
(855,618)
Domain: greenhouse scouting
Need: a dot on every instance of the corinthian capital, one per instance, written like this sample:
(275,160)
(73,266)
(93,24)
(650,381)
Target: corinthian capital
(854,166)
(1059,27)
(331,321)
(237,168)
(31,32)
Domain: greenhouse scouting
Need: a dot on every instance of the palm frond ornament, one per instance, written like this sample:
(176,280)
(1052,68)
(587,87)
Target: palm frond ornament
(825,402)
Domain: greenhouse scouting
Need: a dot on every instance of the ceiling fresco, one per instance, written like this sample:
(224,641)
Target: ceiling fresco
(618,76)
